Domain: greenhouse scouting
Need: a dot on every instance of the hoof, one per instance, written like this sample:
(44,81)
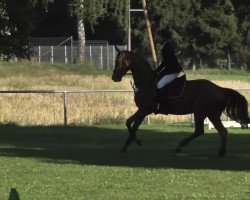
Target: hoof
(138,142)
(123,149)
(178,150)
(221,154)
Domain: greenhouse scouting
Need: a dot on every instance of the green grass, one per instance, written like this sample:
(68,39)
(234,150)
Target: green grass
(219,74)
(34,69)
(84,163)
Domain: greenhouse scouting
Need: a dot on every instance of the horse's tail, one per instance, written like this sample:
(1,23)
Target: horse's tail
(237,107)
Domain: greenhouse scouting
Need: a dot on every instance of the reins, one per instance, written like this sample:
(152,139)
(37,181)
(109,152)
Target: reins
(132,82)
(128,74)
(133,86)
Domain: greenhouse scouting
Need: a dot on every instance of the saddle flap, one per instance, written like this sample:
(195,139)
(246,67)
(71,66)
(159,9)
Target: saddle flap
(176,87)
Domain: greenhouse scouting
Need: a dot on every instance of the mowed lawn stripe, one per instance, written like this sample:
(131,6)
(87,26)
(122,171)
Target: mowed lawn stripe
(84,162)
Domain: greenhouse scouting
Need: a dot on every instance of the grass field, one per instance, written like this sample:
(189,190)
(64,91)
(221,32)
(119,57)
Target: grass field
(85,163)
(83,109)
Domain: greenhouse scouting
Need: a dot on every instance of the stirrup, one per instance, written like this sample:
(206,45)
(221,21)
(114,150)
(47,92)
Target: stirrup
(157,109)
(158,106)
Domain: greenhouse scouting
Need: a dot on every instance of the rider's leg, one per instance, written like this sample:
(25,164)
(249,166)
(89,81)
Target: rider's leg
(166,79)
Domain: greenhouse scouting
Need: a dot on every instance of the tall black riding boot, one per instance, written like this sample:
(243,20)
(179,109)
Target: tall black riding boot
(159,98)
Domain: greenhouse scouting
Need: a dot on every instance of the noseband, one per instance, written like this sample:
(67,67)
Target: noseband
(126,74)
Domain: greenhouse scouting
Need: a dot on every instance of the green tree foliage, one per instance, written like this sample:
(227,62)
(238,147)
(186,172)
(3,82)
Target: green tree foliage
(15,33)
(200,29)
(44,3)
(93,10)
(16,16)
(242,11)
(90,10)
(15,26)
(218,28)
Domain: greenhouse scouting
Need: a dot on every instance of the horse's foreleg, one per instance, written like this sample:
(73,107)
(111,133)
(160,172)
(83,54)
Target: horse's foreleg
(132,124)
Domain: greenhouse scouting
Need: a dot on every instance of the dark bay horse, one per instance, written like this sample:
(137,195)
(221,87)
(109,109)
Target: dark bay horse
(200,97)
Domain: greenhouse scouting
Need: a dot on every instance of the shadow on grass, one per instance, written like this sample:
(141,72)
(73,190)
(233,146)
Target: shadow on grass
(101,146)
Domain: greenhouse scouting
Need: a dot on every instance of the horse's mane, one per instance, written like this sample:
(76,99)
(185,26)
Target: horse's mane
(139,60)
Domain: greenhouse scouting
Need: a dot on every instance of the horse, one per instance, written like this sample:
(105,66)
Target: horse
(200,97)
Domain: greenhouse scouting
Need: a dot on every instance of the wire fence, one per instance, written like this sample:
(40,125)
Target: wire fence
(66,50)
(100,55)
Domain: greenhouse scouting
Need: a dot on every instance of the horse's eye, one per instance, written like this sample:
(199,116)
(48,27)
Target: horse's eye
(120,56)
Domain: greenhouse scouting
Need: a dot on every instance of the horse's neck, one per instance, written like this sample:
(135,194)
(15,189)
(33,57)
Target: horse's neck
(143,75)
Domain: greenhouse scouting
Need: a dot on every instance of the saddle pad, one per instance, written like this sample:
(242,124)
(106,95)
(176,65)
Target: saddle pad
(175,88)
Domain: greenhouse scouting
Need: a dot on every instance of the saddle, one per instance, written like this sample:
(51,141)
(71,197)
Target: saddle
(175,88)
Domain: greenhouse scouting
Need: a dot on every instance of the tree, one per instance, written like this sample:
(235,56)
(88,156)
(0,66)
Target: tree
(16,16)
(219,26)
(242,11)
(199,29)
(90,11)
(15,34)
(15,25)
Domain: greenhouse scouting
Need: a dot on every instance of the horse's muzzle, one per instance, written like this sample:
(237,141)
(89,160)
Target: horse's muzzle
(116,79)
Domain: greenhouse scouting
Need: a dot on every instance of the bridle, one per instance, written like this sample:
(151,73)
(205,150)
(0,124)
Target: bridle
(129,74)
(121,60)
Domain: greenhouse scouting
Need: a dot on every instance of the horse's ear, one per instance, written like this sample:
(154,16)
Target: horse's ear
(117,49)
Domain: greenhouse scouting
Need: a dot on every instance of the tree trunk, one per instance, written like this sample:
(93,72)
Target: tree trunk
(201,64)
(229,67)
(194,63)
(194,67)
(81,38)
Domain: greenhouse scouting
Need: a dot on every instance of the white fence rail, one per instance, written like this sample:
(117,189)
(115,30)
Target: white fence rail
(227,123)
(64,93)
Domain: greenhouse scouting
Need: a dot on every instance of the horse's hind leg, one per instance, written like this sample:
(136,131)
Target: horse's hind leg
(199,130)
(222,132)
(132,124)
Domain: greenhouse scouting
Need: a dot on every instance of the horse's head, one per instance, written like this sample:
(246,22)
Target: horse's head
(123,64)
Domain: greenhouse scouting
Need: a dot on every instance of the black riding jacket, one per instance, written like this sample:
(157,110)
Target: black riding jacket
(169,64)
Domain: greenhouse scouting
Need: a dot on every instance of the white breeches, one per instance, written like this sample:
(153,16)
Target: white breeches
(166,79)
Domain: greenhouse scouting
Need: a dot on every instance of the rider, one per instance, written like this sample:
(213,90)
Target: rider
(167,71)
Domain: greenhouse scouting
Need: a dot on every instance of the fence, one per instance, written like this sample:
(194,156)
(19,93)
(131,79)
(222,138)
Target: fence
(64,92)
(102,56)
(227,123)
(66,50)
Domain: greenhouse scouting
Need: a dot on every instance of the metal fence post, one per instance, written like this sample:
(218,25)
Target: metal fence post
(101,57)
(39,54)
(148,120)
(90,53)
(65,55)
(107,56)
(65,108)
(72,49)
(113,53)
(52,55)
